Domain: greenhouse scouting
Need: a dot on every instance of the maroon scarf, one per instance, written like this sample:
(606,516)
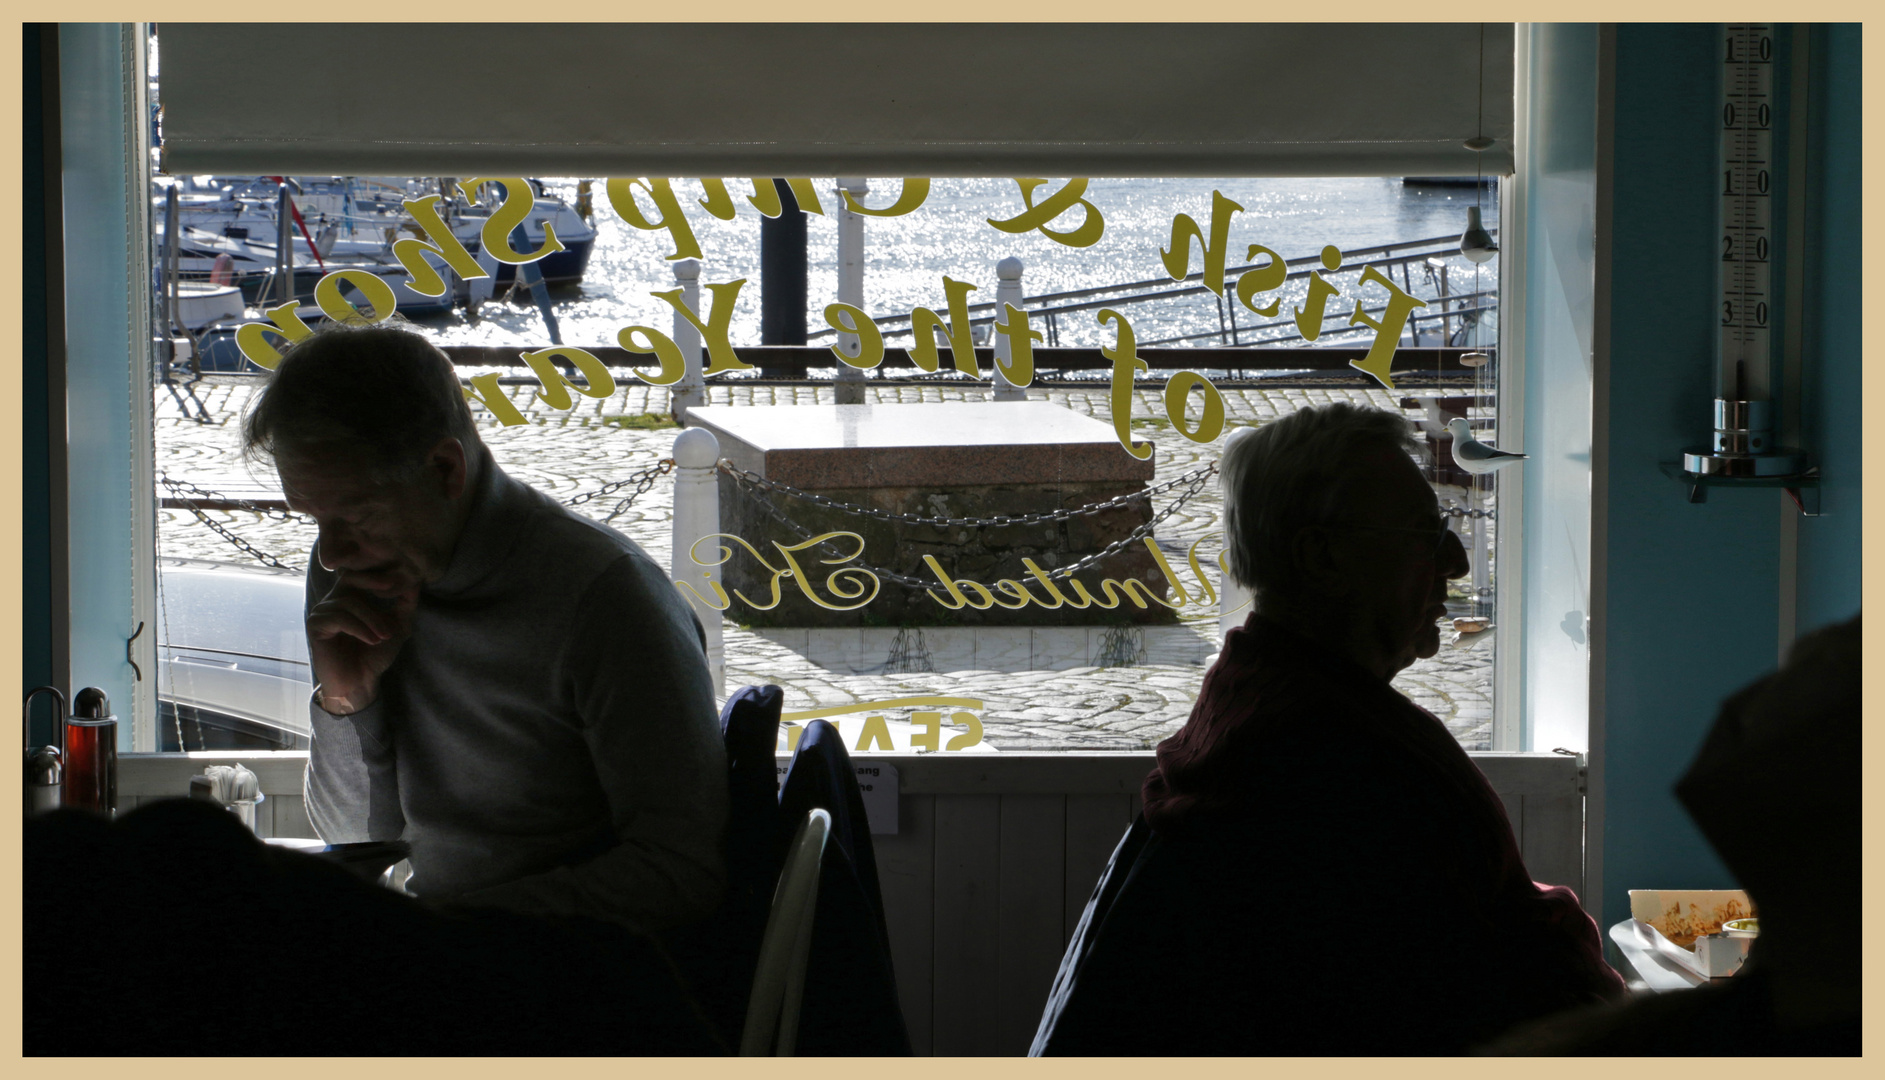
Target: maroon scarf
(1268,680)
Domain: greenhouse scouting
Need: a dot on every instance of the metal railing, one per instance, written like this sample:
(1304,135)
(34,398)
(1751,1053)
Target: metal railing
(1051,306)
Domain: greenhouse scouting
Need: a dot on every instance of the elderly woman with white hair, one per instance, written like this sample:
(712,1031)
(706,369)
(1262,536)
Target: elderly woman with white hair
(1320,868)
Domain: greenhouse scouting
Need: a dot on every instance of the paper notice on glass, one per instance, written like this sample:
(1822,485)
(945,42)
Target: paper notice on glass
(877,783)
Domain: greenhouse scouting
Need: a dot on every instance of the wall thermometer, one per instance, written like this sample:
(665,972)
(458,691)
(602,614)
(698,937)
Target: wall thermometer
(1748,178)
(1747,239)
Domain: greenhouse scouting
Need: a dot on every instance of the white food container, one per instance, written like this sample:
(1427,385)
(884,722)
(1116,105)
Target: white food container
(1694,915)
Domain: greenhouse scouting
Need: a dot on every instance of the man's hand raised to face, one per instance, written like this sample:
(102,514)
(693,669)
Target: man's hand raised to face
(353,637)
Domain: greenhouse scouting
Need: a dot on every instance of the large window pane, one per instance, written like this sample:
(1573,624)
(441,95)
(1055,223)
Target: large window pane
(1056,684)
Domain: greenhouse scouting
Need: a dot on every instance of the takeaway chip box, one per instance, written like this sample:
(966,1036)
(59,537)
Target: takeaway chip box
(1685,925)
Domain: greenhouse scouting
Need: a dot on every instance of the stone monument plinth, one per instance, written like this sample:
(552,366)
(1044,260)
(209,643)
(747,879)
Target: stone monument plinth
(932,460)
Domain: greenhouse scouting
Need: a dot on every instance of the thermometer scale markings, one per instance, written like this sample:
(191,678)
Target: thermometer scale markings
(1746,199)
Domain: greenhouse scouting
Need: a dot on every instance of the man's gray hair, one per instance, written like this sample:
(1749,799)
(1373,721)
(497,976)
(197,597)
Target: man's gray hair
(381,391)
(1289,475)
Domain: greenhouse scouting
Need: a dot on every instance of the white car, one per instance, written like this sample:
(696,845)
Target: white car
(232,658)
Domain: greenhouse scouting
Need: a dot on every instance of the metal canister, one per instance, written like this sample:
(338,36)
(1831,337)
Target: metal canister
(91,753)
(45,765)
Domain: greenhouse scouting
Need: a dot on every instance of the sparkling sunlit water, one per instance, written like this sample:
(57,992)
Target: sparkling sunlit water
(907,257)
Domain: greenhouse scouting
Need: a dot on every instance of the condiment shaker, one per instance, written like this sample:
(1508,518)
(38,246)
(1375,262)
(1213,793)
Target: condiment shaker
(45,765)
(91,753)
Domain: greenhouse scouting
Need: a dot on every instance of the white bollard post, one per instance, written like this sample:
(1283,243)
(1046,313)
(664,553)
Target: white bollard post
(1007,291)
(692,389)
(849,387)
(697,514)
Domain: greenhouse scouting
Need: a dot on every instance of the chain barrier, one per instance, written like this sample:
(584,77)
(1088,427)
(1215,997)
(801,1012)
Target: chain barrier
(751,486)
(1462,512)
(644,482)
(182,491)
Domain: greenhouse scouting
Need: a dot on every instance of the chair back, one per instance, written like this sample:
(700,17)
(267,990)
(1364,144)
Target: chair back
(1087,931)
(719,952)
(772,1012)
(851,983)
(749,725)
(821,775)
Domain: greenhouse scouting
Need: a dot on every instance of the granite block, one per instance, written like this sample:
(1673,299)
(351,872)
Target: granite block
(839,649)
(817,447)
(791,638)
(1058,648)
(951,648)
(1174,645)
(1003,648)
(980,554)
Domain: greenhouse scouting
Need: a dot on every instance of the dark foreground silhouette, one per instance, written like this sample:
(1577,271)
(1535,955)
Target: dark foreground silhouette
(1776,789)
(174,931)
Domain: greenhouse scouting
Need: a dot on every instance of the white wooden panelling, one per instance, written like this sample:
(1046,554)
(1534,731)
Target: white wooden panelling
(279,815)
(1069,773)
(1032,913)
(145,778)
(906,872)
(290,817)
(278,772)
(964,1015)
(1552,839)
(994,860)
(1094,825)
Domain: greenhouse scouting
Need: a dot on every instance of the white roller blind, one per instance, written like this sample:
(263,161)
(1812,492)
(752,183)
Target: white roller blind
(835,99)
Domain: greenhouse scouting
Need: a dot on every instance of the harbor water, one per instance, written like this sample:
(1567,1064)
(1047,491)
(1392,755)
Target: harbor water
(908,256)
(1051,687)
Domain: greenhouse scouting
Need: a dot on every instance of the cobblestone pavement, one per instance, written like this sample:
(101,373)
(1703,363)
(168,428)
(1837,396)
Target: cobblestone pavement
(1081,707)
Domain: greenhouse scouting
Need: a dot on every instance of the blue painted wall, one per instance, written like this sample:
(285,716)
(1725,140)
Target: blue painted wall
(1829,566)
(1693,598)
(104,390)
(1692,590)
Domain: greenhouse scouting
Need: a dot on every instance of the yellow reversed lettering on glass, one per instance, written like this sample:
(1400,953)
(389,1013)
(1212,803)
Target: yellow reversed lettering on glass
(846,583)
(378,295)
(720,354)
(673,364)
(1124,354)
(924,324)
(851,320)
(661,191)
(519,200)
(876,732)
(915,191)
(411,252)
(287,325)
(1178,393)
(556,385)
(1387,328)
(1037,215)
(432,247)
(1177,258)
(1018,369)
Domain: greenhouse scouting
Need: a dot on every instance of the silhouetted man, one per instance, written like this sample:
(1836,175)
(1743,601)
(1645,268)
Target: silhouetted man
(515,690)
